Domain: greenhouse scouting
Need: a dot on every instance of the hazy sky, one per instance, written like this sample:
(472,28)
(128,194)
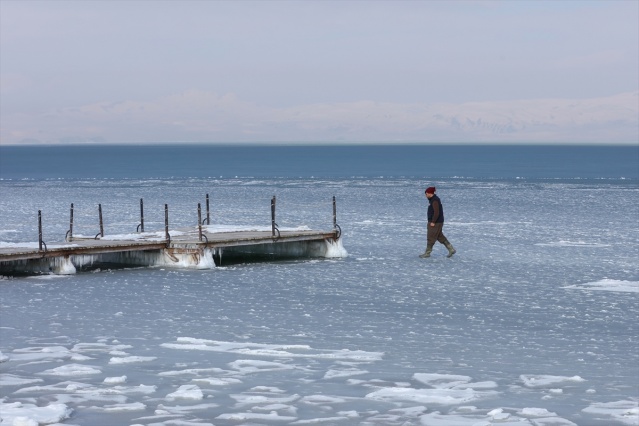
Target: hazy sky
(323,71)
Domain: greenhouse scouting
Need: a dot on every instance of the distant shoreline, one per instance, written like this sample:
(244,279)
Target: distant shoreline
(320,144)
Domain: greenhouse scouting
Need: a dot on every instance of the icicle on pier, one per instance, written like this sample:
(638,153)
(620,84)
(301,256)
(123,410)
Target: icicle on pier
(200,247)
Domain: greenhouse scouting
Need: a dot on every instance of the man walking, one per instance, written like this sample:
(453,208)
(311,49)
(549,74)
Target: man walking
(435,224)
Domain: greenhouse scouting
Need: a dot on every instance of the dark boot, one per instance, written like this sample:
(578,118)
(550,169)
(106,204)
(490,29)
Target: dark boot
(451,249)
(426,254)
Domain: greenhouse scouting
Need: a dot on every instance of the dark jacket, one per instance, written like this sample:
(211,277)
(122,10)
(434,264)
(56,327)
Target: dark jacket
(435,210)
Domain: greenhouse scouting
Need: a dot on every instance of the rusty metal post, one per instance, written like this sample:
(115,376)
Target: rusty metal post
(40,230)
(208,211)
(101,223)
(166,223)
(70,237)
(199,218)
(336,228)
(141,215)
(273,224)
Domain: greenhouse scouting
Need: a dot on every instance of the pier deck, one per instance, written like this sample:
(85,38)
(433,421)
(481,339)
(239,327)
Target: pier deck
(199,247)
(88,246)
(182,250)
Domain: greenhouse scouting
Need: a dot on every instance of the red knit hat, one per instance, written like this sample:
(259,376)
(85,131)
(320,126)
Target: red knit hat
(430,190)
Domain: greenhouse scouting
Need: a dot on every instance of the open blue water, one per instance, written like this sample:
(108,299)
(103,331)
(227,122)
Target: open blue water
(532,322)
(416,161)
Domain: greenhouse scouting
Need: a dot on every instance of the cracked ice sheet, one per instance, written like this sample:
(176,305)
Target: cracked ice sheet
(270,350)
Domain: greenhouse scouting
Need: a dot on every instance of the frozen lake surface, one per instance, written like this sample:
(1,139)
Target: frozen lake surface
(532,322)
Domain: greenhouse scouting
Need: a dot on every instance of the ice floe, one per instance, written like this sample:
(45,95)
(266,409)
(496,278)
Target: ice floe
(131,359)
(625,411)
(270,350)
(186,392)
(18,413)
(113,408)
(346,372)
(256,417)
(72,370)
(41,353)
(430,396)
(252,399)
(164,409)
(13,380)
(451,381)
(548,381)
